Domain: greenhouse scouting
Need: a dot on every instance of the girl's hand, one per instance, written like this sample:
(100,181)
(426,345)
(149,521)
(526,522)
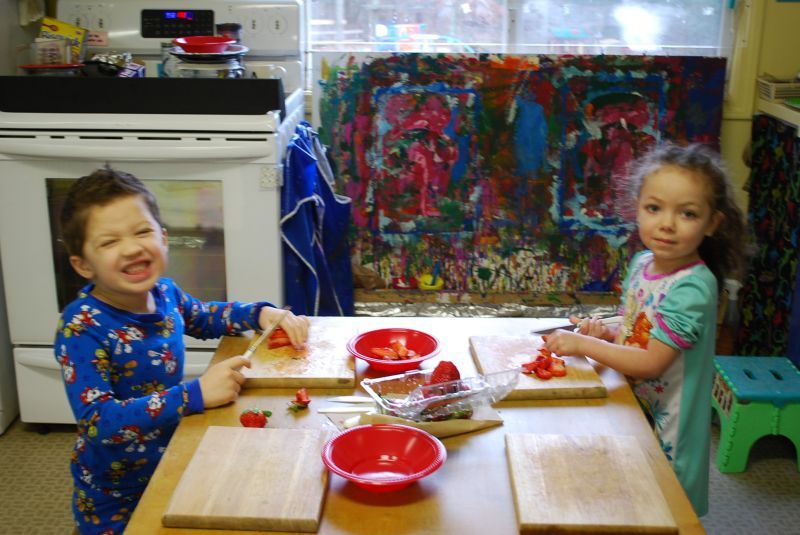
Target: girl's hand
(563,342)
(296,327)
(222,382)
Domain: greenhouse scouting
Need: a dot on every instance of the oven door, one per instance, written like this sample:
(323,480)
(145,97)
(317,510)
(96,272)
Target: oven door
(222,218)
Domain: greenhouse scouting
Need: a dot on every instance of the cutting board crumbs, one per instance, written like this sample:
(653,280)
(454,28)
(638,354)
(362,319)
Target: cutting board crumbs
(497,353)
(324,363)
(252,479)
(585,484)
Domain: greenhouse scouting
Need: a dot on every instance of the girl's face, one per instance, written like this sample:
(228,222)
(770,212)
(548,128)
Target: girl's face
(124,253)
(674,216)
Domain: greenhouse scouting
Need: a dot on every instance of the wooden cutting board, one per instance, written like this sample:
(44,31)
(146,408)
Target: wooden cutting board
(325,362)
(585,484)
(496,353)
(252,479)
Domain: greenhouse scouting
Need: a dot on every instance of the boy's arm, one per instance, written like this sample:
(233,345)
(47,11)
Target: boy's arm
(218,318)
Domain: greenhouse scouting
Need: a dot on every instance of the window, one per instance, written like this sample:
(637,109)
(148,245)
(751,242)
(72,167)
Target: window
(671,27)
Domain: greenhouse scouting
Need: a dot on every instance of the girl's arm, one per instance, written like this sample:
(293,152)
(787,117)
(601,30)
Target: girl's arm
(630,360)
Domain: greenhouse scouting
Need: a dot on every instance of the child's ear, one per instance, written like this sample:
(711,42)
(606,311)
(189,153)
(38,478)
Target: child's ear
(164,237)
(715,222)
(81,267)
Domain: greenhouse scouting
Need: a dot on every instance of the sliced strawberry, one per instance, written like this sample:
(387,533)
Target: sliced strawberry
(278,338)
(385,353)
(543,373)
(558,367)
(530,367)
(400,348)
(254,417)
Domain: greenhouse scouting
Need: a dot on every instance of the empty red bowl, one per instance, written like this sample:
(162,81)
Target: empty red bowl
(423,344)
(204,44)
(383,457)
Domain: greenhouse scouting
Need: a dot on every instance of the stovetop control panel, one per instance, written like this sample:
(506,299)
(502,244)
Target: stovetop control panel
(270,28)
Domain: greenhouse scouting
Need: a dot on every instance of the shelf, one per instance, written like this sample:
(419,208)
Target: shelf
(781,111)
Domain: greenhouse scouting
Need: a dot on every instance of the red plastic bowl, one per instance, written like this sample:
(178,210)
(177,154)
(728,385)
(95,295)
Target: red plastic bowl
(425,345)
(204,44)
(383,457)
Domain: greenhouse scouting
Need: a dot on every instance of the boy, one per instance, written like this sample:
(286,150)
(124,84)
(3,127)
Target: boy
(120,345)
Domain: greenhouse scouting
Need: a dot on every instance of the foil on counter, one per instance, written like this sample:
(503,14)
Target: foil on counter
(468,310)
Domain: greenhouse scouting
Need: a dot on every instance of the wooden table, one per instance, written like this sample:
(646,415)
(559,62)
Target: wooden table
(472,492)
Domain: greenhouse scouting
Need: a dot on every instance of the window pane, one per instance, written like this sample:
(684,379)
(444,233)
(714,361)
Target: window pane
(675,27)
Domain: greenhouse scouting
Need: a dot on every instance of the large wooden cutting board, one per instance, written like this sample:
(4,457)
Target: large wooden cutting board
(324,363)
(496,353)
(253,479)
(585,484)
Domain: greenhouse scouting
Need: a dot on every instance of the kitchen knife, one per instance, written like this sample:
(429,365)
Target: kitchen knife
(344,410)
(613,320)
(352,399)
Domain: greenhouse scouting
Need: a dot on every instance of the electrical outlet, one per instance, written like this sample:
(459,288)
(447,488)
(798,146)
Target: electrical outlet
(271,177)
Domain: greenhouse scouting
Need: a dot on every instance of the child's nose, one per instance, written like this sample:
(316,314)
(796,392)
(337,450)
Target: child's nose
(131,246)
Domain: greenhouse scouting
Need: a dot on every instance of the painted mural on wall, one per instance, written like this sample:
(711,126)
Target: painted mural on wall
(497,172)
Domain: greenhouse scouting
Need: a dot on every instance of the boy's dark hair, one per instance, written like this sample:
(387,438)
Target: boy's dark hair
(98,189)
(723,252)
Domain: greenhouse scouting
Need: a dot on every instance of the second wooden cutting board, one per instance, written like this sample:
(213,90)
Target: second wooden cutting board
(497,353)
(253,479)
(585,484)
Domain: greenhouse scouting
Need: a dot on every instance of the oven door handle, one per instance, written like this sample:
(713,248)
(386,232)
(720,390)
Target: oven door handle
(134,149)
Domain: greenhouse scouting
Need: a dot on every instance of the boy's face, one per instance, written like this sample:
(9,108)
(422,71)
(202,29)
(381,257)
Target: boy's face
(124,251)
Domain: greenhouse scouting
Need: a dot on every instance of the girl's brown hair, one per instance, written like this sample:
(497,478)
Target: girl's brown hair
(723,252)
(98,189)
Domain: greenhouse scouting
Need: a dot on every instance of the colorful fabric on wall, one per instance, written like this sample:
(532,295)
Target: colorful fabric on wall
(774,197)
(499,171)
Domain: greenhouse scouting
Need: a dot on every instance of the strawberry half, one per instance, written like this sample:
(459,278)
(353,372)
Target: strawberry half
(445,371)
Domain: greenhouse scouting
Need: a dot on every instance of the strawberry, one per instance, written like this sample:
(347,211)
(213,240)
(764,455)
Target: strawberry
(385,353)
(400,348)
(445,371)
(254,417)
(278,338)
(301,401)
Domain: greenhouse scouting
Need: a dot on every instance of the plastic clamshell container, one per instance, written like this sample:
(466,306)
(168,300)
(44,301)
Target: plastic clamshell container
(409,396)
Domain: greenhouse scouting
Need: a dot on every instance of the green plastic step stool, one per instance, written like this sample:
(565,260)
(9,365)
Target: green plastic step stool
(754,397)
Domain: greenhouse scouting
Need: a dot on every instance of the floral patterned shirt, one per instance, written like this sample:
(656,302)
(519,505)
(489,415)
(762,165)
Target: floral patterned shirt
(680,310)
(122,372)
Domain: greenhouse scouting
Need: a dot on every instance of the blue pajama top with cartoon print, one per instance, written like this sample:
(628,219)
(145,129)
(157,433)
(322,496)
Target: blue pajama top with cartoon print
(122,372)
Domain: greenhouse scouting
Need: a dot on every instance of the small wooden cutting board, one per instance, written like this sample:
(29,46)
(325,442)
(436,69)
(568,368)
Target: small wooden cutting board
(252,479)
(497,353)
(324,363)
(585,484)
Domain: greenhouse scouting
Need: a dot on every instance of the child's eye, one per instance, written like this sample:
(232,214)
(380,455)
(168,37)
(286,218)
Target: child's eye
(652,208)
(689,214)
(145,232)
(107,243)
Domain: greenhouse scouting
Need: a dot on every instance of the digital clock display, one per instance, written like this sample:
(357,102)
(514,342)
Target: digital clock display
(179,15)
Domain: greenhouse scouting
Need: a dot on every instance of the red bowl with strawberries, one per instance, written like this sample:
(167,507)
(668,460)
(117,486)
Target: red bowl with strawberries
(394,350)
(383,457)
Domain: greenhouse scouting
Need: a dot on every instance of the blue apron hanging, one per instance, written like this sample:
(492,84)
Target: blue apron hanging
(314,225)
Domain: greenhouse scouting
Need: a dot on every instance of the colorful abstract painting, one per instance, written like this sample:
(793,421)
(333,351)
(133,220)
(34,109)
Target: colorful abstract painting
(498,172)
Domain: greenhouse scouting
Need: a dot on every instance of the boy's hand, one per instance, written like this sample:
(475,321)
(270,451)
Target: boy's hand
(296,327)
(222,382)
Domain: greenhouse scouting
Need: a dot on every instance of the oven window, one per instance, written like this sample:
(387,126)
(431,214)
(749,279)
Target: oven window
(193,215)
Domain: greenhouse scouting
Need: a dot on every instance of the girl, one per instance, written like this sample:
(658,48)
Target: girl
(693,231)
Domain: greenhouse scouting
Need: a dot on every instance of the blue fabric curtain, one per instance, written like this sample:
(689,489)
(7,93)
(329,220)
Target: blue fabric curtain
(314,225)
